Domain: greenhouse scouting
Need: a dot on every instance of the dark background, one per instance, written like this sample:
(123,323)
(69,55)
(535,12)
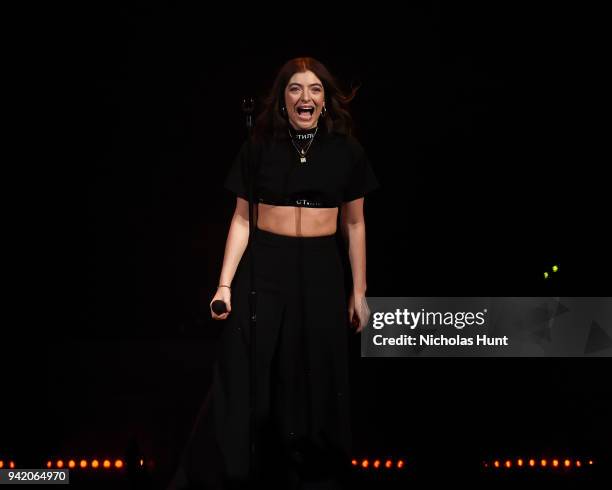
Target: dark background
(482,126)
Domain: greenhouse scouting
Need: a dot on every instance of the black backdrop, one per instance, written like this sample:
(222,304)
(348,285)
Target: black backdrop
(481,125)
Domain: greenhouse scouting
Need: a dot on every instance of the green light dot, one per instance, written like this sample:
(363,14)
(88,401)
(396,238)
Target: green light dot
(555,268)
(546,275)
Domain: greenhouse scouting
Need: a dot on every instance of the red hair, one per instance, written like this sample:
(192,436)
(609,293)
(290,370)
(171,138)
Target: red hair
(272,122)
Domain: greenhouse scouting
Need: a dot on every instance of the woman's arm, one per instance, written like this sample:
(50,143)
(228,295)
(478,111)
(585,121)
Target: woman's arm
(237,241)
(352,225)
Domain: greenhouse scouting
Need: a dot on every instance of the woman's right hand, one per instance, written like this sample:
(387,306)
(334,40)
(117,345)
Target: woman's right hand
(225,295)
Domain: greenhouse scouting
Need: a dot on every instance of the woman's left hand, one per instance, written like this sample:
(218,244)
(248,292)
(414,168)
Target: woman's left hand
(359,312)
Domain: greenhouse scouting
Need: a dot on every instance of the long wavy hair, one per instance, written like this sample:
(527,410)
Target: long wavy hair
(272,123)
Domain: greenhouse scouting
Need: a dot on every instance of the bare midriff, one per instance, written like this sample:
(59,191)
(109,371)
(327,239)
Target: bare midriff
(297,221)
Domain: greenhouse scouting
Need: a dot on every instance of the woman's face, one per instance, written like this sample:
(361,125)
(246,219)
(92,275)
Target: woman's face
(304,100)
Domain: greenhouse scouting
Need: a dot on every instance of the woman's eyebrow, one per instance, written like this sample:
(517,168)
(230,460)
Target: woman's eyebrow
(300,85)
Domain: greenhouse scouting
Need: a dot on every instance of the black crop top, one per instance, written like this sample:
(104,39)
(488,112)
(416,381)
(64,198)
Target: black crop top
(337,170)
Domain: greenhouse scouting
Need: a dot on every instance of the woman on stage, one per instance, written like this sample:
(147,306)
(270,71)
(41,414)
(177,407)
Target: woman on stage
(310,170)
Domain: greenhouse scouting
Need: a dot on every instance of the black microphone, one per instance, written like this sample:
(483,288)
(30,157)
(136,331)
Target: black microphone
(218,307)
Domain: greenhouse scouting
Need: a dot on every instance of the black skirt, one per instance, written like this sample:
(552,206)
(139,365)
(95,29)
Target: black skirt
(302,388)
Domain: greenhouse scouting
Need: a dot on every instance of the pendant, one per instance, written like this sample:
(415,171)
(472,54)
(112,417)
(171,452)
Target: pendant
(303,159)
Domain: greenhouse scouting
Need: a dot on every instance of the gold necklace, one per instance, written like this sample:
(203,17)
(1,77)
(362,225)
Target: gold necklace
(302,152)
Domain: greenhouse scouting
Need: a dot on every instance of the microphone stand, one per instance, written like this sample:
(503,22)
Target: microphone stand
(248,106)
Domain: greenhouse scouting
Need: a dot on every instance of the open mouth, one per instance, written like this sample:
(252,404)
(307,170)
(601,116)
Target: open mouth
(305,112)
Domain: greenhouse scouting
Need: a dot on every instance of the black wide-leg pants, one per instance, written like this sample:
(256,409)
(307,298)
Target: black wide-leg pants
(302,388)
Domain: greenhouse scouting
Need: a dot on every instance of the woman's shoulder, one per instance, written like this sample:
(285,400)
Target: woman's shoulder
(349,144)
(256,145)
(345,139)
